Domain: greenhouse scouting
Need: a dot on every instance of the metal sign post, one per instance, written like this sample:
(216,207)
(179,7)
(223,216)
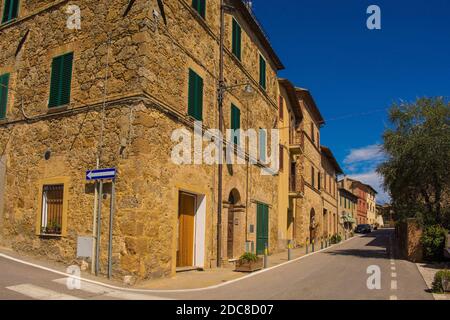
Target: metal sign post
(111,226)
(99,228)
(100,176)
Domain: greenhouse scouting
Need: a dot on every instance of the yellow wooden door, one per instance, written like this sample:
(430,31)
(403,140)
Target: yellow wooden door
(186,222)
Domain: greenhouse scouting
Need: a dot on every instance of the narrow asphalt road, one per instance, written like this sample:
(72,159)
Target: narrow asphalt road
(341,272)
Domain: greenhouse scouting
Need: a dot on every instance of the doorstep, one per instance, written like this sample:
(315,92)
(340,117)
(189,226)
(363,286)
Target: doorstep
(187,269)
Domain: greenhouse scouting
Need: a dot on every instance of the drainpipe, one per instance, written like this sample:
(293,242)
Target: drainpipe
(221,91)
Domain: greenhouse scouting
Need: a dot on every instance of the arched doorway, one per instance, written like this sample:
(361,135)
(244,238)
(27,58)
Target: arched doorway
(234,200)
(312,225)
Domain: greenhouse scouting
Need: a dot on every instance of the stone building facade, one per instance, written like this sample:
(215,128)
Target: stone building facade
(309,224)
(329,190)
(360,190)
(290,183)
(371,205)
(347,208)
(132,76)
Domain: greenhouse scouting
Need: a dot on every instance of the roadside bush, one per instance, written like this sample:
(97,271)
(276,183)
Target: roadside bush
(336,239)
(438,277)
(249,257)
(433,243)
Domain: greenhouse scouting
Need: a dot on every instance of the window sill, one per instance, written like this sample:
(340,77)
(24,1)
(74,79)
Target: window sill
(9,22)
(57,109)
(52,236)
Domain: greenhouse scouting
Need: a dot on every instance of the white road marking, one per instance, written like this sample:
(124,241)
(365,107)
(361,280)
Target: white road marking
(102,291)
(132,296)
(393,298)
(39,293)
(87,287)
(393,268)
(393,284)
(394,275)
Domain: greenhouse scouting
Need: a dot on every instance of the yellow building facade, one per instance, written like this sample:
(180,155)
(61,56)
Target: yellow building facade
(371,206)
(290,183)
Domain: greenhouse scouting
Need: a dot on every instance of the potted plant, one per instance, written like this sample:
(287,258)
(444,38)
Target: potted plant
(249,262)
(441,283)
(53,227)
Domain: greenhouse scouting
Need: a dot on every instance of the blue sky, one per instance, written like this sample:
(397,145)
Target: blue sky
(355,73)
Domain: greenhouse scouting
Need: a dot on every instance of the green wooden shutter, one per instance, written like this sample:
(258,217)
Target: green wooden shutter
(10,10)
(195,96)
(61,80)
(235,122)
(236,39)
(200,7)
(4,83)
(262,72)
(262,228)
(66,78)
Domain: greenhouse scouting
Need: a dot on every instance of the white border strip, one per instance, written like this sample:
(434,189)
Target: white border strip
(178,290)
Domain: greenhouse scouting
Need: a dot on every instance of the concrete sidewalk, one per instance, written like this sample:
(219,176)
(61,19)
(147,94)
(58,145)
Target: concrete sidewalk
(428,271)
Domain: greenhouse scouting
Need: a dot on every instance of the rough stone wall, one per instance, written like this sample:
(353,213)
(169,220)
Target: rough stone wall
(149,62)
(329,195)
(27,7)
(312,199)
(195,46)
(284,203)
(408,235)
(49,37)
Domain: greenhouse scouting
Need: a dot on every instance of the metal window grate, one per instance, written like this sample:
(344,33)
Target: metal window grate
(52,209)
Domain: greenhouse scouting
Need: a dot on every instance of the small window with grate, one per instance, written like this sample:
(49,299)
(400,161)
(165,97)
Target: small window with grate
(52,209)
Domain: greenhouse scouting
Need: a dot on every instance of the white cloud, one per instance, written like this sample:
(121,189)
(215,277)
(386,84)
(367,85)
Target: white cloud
(362,163)
(372,153)
(375,180)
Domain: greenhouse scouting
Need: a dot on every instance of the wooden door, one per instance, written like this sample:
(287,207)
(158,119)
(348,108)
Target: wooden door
(230,233)
(262,228)
(186,230)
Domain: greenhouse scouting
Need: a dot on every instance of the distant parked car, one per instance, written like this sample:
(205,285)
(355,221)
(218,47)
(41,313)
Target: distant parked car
(363,228)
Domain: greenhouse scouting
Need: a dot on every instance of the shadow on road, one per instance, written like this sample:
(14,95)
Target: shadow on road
(376,254)
(379,243)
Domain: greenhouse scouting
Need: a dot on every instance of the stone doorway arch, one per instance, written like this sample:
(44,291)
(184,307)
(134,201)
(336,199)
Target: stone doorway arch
(234,207)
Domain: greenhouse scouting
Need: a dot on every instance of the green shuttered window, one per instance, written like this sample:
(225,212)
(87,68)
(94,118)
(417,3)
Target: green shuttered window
(235,123)
(262,72)
(10,10)
(61,80)
(4,85)
(200,7)
(236,39)
(195,97)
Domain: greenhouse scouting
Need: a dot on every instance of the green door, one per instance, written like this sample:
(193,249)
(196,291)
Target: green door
(262,228)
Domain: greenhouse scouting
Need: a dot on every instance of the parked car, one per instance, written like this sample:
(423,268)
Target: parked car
(363,228)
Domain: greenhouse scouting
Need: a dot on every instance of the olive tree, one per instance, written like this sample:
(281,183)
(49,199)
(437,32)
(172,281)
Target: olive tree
(416,170)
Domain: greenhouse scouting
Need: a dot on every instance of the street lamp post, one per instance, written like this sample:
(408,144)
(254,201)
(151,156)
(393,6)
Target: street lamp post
(220,94)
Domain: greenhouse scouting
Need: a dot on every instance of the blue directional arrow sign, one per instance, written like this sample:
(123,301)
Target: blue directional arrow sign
(101,174)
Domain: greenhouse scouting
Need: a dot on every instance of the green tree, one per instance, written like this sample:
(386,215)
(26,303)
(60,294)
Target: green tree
(417,167)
